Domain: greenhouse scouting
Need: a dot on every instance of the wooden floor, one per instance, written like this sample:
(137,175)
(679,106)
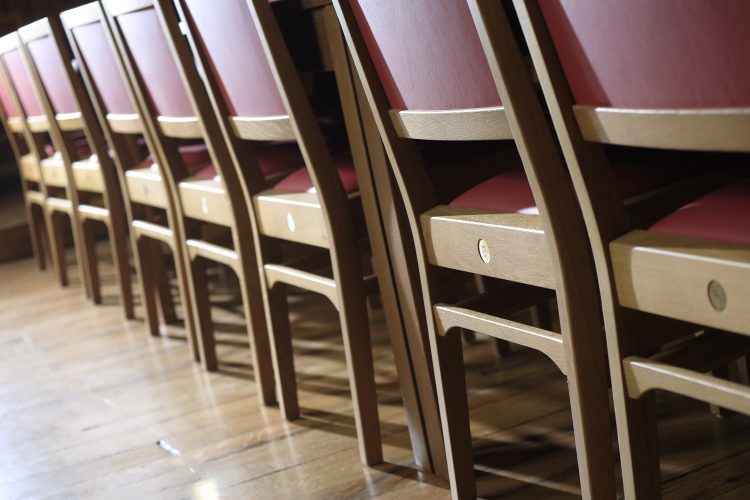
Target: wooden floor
(92,407)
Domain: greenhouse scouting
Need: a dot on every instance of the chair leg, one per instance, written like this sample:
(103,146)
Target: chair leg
(280,335)
(37,243)
(82,254)
(355,329)
(143,251)
(450,384)
(255,317)
(161,284)
(183,285)
(55,229)
(635,418)
(118,241)
(201,307)
(639,450)
(89,254)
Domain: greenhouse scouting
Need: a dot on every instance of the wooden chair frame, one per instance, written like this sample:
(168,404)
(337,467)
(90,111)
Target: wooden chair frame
(143,191)
(547,251)
(95,174)
(202,201)
(321,219)
(685,279)
(53,204)
(34,192)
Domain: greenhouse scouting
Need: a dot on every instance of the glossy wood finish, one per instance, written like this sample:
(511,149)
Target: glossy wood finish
(130,415)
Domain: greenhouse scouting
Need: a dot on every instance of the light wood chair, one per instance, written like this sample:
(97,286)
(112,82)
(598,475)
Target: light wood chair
(92,177)
(690,264)
(145,185)
(169,87)
(14,122)
(256,98)
(49,162)
(426,77)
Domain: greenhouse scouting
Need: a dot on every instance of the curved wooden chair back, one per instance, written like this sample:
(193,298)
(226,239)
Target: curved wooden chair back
(25,103)
(420,63)
(106,84)
(70,103)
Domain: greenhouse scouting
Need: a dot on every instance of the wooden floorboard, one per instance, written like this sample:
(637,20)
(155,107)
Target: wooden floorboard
(92,407)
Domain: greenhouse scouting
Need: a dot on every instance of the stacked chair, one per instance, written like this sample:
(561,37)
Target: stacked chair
(53,193)
(81,163)
(185,125)
(23,146)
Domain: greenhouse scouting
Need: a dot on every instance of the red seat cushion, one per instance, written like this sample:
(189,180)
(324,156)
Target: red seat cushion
(206,173)
(279,157)
(300,181)
(723,215)
(511,192)
(81,147)
(192,155)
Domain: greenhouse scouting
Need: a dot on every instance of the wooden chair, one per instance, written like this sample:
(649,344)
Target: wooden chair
(170,89)
(91,176)
(426,77)
(49,163)
(14,122)
(692,264)
(259,98)
(145,186)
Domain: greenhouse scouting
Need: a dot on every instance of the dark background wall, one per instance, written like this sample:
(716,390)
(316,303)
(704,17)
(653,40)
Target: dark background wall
(15,13)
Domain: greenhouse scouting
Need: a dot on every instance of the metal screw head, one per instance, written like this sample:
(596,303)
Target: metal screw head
(484,251)
(290,222)
(717,296)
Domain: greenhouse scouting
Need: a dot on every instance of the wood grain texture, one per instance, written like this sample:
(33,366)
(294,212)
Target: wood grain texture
(479,124)
(683,129)
(272,128)
(671,276)
(120,401)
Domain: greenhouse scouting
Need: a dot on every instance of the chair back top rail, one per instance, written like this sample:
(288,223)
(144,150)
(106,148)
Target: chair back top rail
(690,58)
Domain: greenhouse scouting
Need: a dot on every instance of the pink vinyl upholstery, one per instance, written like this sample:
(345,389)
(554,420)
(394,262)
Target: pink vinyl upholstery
(102,66)
(653,54)
(273,159)
(723,215)
(300,181)
(427,53)
(511,192)
(9,108)
(22,83)
(226,32)
(155,63)
(191,154)
(48,64)
(81,146)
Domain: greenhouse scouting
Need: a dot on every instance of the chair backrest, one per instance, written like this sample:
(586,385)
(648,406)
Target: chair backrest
(6,100)
(226,32)
(15,86)
(150,51)
(669,74)
(99,58)
(21,81)
(46,58)
(427,54)
(671,54)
